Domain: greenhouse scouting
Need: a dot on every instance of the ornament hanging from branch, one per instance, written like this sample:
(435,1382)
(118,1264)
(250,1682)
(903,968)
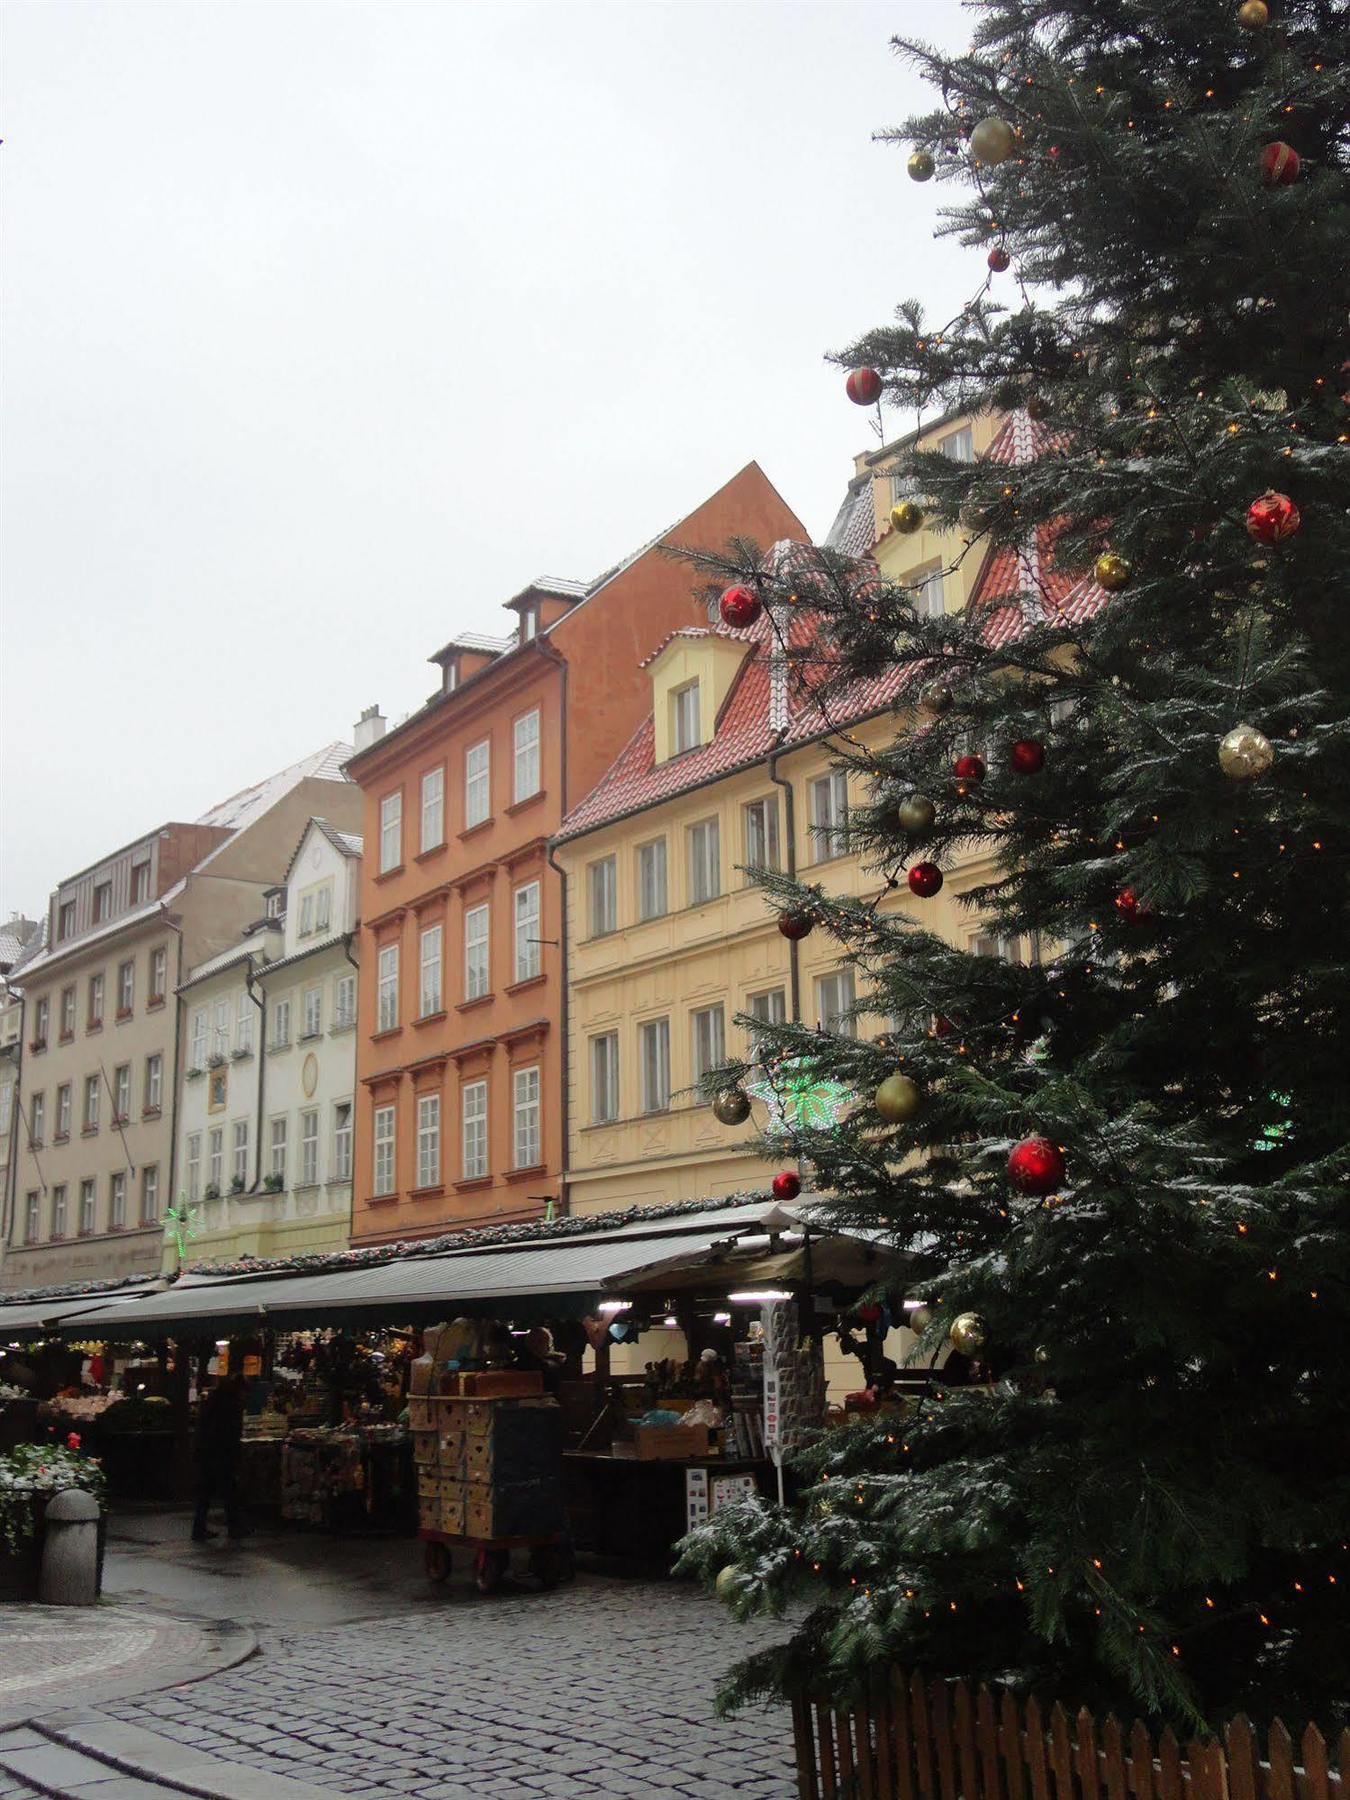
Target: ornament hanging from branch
(1272,517)
(863,387)
(798,1097)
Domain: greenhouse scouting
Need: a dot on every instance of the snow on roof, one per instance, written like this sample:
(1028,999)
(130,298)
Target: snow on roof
(251,803)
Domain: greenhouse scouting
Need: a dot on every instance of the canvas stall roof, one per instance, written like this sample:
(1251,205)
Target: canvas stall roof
(31,1318)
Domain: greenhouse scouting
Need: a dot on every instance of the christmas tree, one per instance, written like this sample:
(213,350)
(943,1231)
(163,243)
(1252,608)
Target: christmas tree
(1120,1170)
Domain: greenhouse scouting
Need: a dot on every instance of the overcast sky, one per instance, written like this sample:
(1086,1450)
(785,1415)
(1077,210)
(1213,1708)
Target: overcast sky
(329,325)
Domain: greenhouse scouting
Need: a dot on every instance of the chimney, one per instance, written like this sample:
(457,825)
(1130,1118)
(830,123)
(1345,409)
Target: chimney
(370,728)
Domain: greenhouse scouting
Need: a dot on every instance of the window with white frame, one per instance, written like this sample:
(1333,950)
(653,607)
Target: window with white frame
(281,1024)
(761,832)
(243,1023)
(602,883)
(239,1153)
(140,882)
(59,1210)
(529,624)
(95,1001)
(903,487)
(309,1147)
(342,1141)
(651,860)
(121,1091)
(605,1077)
(384,1150)
(62,1107)
(391,831)
(475,952)
(193,1163)
(220,1028)
(86,1225)
(311,1002)
(386,988)
(684,718)
(428,1140)
(278,1130)
(154,1082)
(526,901)
(102,901)
(91,1094)
(344,1001)
(709,1040)
(159,972)
(768,1007)
(525,765)
(433,808)
(525,1117)
(829,813)
(306,915)
(126,986)
(65,921)
(7,1105)
(957,446)
(197,1040)
(323,907)
(274,904)
(67,1014)
(477,784)
(429,986)
(928,594)
(473,1116)
(996,943)
(654,1062)
(150,1195)
(215,1158)
(705,861)
(32,1201)
(117,1200)
(37,1118)
(40,1016)
(834,998)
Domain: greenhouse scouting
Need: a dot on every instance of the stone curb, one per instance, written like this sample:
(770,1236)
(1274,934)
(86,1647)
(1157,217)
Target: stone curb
(131,1750)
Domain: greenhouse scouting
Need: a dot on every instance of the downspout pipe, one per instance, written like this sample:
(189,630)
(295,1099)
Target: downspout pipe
(564,1003)
(348,939)
(259,999)
(179,1010)
(790,831)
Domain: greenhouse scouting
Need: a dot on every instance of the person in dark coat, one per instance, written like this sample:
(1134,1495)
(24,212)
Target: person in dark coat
(220,1429)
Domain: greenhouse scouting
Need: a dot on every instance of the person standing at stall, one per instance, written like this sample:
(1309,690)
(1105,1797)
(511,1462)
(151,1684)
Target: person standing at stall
(220,1430)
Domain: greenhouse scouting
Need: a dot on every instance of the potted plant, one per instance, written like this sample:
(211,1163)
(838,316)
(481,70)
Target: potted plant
(30,1475)
(211,1191)
(237,1184)
(273,1183)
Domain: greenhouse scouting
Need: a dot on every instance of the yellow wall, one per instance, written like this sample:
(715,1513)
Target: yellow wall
(899,557)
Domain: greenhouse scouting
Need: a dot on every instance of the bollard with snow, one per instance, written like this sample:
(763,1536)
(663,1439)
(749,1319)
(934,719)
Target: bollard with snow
(70,1550)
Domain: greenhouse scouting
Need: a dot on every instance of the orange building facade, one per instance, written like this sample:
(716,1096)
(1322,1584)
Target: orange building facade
(461,1027)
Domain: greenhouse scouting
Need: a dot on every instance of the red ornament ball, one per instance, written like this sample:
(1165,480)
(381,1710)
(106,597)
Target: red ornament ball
(795,925)
(863,387)
(739,608)
(925,878)
(1272,517)
(786,1186)
(998,259)
(969,768)
(1036,1166)
(1134,910)
(1027,756)
(1279,164)
(869,1312)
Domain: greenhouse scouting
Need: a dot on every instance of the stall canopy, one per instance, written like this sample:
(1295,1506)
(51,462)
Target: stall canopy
(35,1318)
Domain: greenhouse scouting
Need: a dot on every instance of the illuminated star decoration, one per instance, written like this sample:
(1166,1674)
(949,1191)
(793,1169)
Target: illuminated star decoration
(798,1097)
(1274,1134)
(181,1222)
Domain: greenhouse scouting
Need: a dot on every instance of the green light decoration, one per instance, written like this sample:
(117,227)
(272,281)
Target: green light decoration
(798,1097)
(181,1223)
(1274,1134)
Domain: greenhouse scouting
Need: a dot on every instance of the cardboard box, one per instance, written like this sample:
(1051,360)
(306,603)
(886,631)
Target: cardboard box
(425,1448)
(498,1383)
(419,1413)
(669,1442)
(450,1450)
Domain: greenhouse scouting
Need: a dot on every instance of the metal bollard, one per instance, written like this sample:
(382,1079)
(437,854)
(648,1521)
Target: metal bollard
(70,1550)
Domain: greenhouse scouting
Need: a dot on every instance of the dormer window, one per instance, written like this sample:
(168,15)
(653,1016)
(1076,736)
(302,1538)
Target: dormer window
(275,904)
(450,675)
(684,723)
(529,623)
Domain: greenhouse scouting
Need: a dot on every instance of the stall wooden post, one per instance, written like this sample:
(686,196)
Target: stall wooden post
(182,1423)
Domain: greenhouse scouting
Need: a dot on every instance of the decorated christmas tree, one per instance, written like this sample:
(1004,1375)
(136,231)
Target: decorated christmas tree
(1118,1170)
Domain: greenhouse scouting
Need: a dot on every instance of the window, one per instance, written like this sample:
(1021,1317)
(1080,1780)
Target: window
(281,1024)
(31,1203)
(197,1040)
(903,487)
(194,1166)
(95,1016)
(311,1003)
(243,1023)
(276,1150)
(344,1012)
(709,1048)
(829,813)
(654,1051)
(384,1150)
(306,915)
(525,770)
(215,1159)
(126,987)
(59,1210)
(86,1226)
(473,1119)
(684,720)
(477,799)
(62,1109)
(428,1140)
(91,1103)
(117,1201)
(342,1141)
(391,832)
(150,1195)
(834,997)
(7,1103)
(652,879)
(527,931)
(475,953)
(122,1090)
(67,1012)
(605,1077)
(386,987)
(433,809)
(958,445)
(37,1118)
(65,920)
(994,943)
(525,1117)
(154,1082)
(603,887)
(220,1028)
(102,901)
(430,962)
(309,1148)
(529,624)
(323,907)
(928,594)
(41,1017)
(768,1008)
(239,1154)
(140,882)
(705,862)
(274,906)
(761,833)
(450,675)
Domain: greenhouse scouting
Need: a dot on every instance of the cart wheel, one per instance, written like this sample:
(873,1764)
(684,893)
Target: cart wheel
(437,1560)
(546,1565)
(489,1568)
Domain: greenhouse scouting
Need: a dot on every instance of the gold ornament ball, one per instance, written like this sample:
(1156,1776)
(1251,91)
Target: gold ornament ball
(1112,571)
(731,1107)
(727,1583)
(921,166)
(935,698)
(906,516)
(967,1333)
(898,1098)
(1253,15)
(920,1318)
(915,814)
(992,140)
(1245,753)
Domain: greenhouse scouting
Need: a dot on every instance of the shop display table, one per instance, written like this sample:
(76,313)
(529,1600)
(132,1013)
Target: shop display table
(633,1511)
(355,1479)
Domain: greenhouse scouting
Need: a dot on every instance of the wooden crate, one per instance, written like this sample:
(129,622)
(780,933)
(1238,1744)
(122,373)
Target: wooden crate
(420,1412)
(425,1453)
(674,1442)
(500,1383)
(450,1449)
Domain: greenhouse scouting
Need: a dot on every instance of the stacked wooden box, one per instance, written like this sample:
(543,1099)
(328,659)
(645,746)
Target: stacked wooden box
(489,1466)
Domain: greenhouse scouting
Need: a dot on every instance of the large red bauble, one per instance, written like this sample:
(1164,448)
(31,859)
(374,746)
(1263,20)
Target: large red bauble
(786,1186)
(998,259)
(1036,1166)
(925,878)
(1027,756)
(1272,516)
(1134,910)
(863,387)
(1279,164)
(969,768)
(795,925)
(739,608)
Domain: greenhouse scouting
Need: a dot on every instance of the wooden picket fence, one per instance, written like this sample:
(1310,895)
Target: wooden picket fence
(931,1741)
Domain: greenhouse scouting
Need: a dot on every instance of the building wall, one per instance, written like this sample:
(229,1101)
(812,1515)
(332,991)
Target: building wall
(907,557)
